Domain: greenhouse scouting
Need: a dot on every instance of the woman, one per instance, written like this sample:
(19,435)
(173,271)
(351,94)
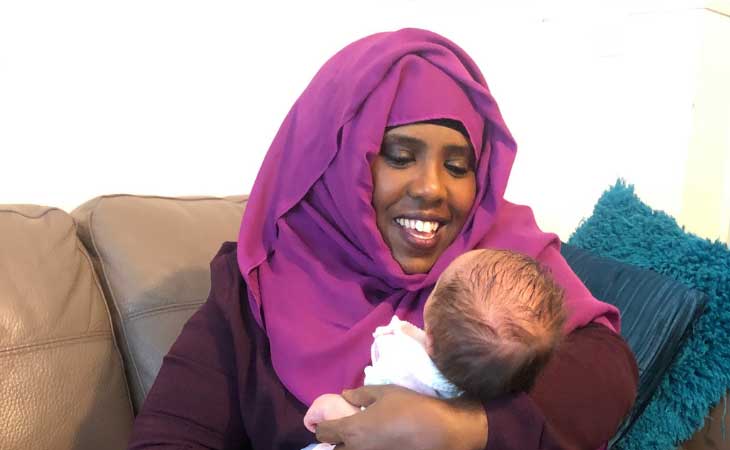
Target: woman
(392,163)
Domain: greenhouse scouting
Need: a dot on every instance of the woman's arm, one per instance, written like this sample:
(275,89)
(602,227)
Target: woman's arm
(193,403)
(587,388)
(577,403)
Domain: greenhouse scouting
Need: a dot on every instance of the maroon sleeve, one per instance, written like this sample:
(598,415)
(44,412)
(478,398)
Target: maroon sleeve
(577,402)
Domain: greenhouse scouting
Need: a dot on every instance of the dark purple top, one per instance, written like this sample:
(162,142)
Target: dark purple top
(217,389)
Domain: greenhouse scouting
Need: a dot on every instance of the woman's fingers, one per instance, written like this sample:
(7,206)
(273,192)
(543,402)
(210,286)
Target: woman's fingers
(349,433)
(367,395)
(332,431)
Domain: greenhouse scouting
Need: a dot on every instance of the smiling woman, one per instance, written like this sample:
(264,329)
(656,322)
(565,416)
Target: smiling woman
(392,163)
(423,189)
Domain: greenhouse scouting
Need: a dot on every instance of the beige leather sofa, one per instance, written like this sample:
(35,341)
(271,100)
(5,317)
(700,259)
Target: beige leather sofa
(91,301)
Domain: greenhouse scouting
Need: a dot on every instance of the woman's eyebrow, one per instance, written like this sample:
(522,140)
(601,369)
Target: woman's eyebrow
(407,141)
(418,144)
(457,150)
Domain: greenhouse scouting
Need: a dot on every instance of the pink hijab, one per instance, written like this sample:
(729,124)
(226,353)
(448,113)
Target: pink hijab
(320,276)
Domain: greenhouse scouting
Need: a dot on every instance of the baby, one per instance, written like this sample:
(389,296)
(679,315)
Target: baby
(491,323)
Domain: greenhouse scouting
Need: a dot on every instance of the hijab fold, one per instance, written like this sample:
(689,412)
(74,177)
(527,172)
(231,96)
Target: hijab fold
(320,276)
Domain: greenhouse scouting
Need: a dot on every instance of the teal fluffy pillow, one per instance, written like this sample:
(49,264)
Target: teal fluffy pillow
(624,228)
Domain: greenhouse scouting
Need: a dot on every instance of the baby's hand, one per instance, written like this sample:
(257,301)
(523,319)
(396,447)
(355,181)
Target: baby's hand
(327,407)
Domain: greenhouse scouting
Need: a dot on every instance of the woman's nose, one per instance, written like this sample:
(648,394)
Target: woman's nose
(427,183)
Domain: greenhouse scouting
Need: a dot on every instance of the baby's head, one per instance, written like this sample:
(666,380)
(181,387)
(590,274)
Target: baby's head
(492,322)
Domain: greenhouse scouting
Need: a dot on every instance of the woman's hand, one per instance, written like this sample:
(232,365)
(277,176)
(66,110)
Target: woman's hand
(397,418)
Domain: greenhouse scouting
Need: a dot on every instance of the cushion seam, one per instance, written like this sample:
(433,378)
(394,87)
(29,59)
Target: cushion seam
(165,308)
(48,210)
(110,320)
(57,342)
(122,325)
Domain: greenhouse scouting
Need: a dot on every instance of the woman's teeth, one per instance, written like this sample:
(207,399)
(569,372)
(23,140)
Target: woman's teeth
(422,226)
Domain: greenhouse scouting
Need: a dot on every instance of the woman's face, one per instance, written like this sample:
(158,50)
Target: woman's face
(423,189)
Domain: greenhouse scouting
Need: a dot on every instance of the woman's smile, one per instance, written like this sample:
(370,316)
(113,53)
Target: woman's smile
(421,234)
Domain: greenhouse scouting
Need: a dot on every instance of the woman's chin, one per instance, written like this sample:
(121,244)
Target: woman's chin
(413,265)
(414,252)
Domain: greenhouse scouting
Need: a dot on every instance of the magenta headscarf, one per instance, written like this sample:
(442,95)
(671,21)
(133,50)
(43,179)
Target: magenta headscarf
(320,276)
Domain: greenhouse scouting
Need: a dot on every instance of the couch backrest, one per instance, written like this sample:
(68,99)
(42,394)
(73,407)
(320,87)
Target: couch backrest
(152,255)
(62,384)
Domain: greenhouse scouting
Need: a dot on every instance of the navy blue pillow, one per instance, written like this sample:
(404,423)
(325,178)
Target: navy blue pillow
(657,314)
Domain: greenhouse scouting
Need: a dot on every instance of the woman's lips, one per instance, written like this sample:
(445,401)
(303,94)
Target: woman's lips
(419,240)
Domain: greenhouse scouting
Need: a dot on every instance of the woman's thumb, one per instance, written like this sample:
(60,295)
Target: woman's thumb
(364,396)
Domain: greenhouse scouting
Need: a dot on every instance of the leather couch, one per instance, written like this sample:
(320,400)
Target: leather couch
(91,301)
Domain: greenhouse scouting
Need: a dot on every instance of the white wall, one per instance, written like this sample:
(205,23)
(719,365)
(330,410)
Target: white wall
(183,98)
(706,201)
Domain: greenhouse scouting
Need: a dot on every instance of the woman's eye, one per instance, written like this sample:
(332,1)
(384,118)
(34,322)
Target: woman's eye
(458,168)
(397,159)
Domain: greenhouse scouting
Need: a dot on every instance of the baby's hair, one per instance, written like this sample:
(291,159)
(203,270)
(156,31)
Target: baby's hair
(494,323)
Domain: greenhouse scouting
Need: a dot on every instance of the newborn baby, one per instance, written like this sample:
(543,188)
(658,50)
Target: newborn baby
(491,323)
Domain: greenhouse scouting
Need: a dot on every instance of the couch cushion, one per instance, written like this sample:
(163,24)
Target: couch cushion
(657,314)
(153,256)
(625,228)
(61,379)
